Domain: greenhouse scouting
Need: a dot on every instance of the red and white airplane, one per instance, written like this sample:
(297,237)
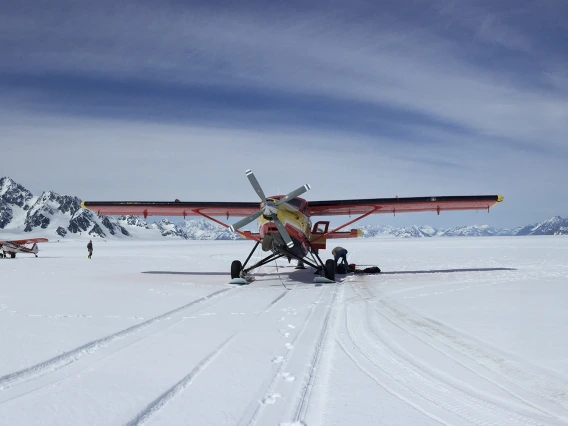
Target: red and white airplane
(10,248)
(284,221)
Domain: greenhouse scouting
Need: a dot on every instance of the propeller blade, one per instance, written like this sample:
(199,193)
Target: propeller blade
(255,185)
(245,221)
(283,232)
(293,194)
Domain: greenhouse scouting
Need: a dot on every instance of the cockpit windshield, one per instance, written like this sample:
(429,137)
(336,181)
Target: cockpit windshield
(296,202)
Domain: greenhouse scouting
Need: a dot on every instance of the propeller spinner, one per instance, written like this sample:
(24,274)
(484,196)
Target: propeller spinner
(269,208)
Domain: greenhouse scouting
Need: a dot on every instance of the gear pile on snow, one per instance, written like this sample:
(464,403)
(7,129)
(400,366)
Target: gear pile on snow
(353,268)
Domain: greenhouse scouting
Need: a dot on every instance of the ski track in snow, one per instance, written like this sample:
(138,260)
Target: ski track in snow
(179,387)
(10,382)
(419,385)
(303,400)
(253,414)
(529,384)
(157,405)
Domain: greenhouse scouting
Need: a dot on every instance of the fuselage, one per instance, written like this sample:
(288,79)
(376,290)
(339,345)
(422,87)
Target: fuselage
(294,216)
(10,248)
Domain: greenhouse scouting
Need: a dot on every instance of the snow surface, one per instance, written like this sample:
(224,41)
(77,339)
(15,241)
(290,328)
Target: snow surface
(460,331)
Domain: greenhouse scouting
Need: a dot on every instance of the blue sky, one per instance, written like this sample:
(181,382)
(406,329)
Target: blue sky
(161,100)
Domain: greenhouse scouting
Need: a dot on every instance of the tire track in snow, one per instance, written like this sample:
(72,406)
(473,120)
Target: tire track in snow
(432,396)
(163,399)
(304,397)
(391,391)
(53,364)
(254,411)
(275,301)
(546,394)
(158,404)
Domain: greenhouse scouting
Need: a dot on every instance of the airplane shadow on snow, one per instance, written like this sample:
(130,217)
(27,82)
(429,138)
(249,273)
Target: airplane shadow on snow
(186,273)
(437,271)
(306,276)
(303,276)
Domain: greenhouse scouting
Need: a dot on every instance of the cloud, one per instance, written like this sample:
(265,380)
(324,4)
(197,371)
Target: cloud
(362,98)
(298,54)
(116,160)
(492,31)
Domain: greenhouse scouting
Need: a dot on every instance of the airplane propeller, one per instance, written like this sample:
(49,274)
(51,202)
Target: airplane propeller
(269,208)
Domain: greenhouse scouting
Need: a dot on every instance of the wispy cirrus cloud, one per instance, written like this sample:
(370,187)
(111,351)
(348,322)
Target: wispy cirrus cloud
(296,53)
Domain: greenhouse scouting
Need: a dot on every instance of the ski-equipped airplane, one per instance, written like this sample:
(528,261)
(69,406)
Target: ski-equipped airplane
(284,221)
(10,248)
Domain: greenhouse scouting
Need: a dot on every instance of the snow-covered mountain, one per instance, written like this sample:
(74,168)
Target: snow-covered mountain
(473,231)
(371,231)
(50,213)
(459,231)
(414,232)
(166,228)
(553,226)
(61,216)
(203,229)
(15,201)
(428,231)
(197,229)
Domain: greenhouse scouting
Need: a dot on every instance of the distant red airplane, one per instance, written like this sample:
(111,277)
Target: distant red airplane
(10,248)
(284,221)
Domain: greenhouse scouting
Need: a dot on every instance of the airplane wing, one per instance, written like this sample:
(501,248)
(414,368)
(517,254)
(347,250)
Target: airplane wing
(316,208)
(402,205)
(26,241)
(176,208)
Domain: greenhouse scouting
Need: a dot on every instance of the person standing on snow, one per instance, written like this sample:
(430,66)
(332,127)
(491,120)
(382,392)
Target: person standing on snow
(340,253)
(90,248)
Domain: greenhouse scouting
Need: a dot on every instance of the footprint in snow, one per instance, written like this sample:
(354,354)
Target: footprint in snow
(291,326)
(289,346)
(271,398)
(278,360)
(288,377)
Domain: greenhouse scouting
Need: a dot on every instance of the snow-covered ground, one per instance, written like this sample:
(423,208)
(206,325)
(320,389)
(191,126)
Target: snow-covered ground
(456,331)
